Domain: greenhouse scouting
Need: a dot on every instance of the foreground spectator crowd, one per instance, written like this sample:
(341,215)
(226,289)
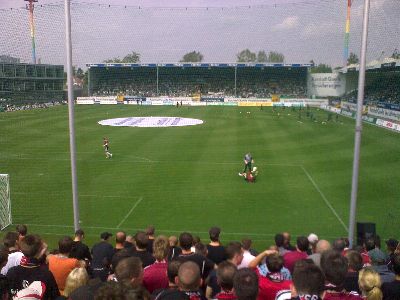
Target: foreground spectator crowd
(146,266)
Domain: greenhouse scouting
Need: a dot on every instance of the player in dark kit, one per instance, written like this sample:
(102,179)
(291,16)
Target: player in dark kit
(106,147)
(248,160)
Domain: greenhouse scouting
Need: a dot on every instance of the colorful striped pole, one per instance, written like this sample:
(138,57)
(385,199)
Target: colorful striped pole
(347,34)
(32,26)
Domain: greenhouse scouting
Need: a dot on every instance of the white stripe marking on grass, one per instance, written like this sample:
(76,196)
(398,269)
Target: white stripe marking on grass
(325,200)
(128,214)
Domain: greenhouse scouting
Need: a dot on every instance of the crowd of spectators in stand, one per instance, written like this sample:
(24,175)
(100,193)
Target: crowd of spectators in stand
(8,106)
(288,89)
(146,266)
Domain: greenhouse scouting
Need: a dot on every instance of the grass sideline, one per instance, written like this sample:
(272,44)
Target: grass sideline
(185,178)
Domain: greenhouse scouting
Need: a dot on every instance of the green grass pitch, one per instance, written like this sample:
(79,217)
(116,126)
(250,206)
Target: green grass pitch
(186,178)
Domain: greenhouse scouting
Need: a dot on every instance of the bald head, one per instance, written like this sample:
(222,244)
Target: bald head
(189,276)
(120,237)
(323,245)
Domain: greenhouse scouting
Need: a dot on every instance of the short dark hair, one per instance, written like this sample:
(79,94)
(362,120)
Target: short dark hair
(201,249)
(225,273)
(279,239)
(334,266)
(10,239)
(189,276)
(117,290)
(65,244)
(355,260)
(30,245)
(186,240)
(79,232)
(302,243)
(396,264)
(172,270)
(150,230)
(232,249)
(370,244)
(245,284)
(3,255)
(214,233)
(246,244)
(22,229)
(274,263)
(141,239)
(128,268)
(339,245)
(309,280)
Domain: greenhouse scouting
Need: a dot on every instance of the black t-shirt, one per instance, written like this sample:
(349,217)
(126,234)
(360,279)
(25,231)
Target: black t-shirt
(20,277)
(80,251)
(146,258)
(174,252)
(351,282)
(213,283)
(391,290)
(169,294)
(204,264)
(87,292)
(120,255)
(216,253)
(4,288)
(102,255)
(150,246)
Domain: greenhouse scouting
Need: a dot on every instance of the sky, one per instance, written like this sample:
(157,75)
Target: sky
(163,31)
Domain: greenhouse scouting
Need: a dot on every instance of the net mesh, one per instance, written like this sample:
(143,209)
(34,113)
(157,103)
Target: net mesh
(5,202)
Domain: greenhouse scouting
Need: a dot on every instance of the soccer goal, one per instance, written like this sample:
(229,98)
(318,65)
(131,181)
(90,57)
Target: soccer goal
(5,201)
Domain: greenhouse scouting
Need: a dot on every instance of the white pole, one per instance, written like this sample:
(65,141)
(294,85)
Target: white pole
(357,137)
(71,113)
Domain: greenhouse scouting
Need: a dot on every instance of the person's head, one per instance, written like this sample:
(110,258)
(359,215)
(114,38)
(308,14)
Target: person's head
(225,273)
(279,240)
(22,230)
(234,253)
(3,256)
(245,284)
(308,280)
(391,245)
(246,244)
(120,237)
(141,239)
(302,243)
(196,240)
(32,246)
(355,260)
(313,240)
(105,236)
(186,240)
(10,240)
(120,291)
(76,278)
(79,234)
(339,245)
(370,244)
(322,245)
(274,263)
(189,276)
(65,245)
(396,264)
(369,282)
(172,271)
(173,241)
(201,249)
(286,238)
(160,248)
(334,266)
(130,271)
(377,240)
(150,231)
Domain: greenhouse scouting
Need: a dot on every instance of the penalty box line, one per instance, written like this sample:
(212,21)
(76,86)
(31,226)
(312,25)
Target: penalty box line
(129,213)
(324,198)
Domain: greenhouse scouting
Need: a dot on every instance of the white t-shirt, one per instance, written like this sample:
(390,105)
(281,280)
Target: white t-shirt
(247,258)
(14,259)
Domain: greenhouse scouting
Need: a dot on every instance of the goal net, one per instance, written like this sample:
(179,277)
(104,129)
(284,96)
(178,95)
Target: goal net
(5,201)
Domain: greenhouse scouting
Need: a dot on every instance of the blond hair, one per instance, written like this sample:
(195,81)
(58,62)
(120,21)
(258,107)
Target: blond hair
(78,277)
(369,282)
(160,247)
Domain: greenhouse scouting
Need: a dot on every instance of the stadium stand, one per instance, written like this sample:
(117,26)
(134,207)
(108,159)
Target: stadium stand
(184,276)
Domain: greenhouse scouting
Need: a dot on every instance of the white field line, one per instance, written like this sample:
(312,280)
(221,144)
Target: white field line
(325,199)
(128,214)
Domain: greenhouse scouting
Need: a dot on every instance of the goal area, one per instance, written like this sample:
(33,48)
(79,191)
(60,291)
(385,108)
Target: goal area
(5,201)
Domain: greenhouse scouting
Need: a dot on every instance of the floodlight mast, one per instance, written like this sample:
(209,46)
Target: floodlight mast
(357,137)
(31,7)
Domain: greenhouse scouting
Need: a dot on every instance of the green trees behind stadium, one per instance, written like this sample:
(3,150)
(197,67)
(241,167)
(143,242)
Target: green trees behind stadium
(192,57)
(261,57)
(132,58)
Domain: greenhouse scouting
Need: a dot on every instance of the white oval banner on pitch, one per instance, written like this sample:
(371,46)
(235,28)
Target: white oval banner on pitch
(151,122)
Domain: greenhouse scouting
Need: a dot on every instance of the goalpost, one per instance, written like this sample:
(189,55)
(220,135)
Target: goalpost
(5,201)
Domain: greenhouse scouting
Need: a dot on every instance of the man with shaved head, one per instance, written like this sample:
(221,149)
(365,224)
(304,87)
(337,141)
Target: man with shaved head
(120,238)
(322,245)
(189,280)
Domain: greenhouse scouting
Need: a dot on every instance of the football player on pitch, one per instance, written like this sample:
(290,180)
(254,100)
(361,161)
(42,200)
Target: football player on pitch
(106,147)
